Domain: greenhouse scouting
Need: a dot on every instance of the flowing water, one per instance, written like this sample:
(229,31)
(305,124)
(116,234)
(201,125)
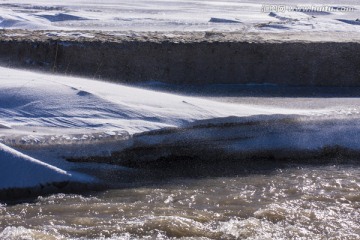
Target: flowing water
(287,202)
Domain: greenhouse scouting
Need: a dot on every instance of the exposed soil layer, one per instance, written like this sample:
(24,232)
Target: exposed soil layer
(192,58)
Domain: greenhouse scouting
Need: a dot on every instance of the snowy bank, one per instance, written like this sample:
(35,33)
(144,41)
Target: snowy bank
(50,118)
(19,170)
(65,114)
(41,104)
(25,176)
(245,140)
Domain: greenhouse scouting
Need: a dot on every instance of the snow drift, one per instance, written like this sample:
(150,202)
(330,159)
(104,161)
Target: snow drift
(49,118)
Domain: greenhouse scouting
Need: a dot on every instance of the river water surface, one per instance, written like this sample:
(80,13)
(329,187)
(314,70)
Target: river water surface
(287,202)
(222,200)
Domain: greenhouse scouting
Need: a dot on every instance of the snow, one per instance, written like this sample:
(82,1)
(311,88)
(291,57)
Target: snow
(48,117)
(41,109)
(30,100)
(19,170)
(187,15)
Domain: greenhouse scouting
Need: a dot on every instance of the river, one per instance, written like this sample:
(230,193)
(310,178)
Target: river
(287,201)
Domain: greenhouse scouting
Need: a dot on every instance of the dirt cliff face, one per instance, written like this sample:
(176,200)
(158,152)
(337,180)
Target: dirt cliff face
(195,58)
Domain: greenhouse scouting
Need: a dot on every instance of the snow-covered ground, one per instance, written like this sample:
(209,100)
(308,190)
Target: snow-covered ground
(38,109)
(31,101)
(186,15)
(89,117)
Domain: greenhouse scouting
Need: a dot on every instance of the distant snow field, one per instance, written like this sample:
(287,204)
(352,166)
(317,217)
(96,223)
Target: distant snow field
(187,15)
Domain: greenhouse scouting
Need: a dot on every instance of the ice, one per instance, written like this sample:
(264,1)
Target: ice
(19,170)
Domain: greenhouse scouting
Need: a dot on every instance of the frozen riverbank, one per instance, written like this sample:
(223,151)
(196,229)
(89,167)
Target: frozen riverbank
(52,119)
(90,117)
